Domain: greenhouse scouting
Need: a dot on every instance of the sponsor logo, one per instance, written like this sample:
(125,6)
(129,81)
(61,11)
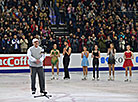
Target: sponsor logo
(117,60)
(13,61)
(20,61)
(136,59)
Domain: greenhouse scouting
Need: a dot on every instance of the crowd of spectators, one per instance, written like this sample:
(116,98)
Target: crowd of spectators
(89,22)
(103,22)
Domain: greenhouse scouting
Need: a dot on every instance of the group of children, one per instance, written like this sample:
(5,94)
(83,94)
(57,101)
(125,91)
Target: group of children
(128,55)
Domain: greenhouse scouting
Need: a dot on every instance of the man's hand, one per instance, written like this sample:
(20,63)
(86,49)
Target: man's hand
(37,61)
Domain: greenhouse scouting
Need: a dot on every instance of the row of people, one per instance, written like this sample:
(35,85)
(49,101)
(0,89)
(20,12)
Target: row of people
(36,57)
(55,53)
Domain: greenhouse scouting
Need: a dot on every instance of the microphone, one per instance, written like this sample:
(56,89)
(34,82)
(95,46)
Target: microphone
(42,51)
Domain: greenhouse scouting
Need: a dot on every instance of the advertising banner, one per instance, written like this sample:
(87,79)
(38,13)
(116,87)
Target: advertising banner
(20,61)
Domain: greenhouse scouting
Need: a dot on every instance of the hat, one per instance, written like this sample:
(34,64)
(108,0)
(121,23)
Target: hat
(34,40)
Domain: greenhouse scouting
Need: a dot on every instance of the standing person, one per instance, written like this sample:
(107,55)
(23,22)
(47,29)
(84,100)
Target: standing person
(36,58)
(50,44)
(75,44)
(1,51)
(54,61)
(128,55)
(57,13)
(15,43)
(23,44)
(85,62)
(82,42)
(111,61)
(6,44)
(66,59)
(95,56)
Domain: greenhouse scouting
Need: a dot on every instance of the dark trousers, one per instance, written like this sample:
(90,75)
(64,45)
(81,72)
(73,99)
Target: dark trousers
(57,19)
(95,63)
(16,51)
(66,61)
(41,77)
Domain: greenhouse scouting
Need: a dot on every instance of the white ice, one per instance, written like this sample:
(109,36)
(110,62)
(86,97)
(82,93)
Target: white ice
(16,88)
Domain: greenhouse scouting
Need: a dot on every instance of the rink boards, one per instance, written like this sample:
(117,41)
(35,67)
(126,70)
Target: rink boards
(18,63)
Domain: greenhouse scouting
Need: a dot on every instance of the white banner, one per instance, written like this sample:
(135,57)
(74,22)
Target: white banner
(19,61)
(103,60)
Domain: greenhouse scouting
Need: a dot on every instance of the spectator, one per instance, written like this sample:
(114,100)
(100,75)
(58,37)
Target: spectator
(1,45)
(102,44)
(6,44)
(71,38)
(50,44)
(82,43)
(60,44)
(57,14)
(23,44)
(44,43)
(127,34)
(121,44)
(71,27)
(87,30)
(133,43)
(75,44)
(78,33)
(116,43)
(45,31)
(33,27)
(15,44)
(30,41)
(90,44)
(38,37)
(94,39)
(108,42)
(126,42)
(67,39)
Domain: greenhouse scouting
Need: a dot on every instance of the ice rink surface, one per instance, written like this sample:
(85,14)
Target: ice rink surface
(16,88)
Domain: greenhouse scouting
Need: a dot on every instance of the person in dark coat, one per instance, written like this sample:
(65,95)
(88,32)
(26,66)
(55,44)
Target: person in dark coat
(6,44)
(1,51)
(82,42)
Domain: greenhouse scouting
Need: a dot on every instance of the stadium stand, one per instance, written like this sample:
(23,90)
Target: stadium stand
(80,22)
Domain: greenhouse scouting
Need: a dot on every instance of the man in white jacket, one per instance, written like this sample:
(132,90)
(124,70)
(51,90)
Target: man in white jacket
(36,58)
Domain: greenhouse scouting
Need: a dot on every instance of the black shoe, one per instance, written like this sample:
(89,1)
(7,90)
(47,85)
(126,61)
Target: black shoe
(33,92)
(65,78)
(68,77)
(126,80)
(44,92)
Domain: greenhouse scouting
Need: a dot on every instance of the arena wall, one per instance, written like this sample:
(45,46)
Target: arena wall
(18,63)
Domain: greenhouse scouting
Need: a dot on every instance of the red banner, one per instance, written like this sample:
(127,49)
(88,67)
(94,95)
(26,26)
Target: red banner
(21,61)
(47,61)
